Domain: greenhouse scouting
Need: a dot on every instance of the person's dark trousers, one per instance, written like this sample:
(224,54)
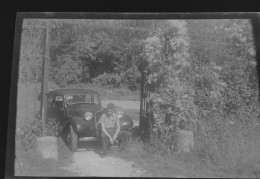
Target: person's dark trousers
(105,140)
(122,138)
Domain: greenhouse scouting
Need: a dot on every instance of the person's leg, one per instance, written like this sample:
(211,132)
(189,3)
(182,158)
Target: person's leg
(111,133)
(123,139)
(104,141)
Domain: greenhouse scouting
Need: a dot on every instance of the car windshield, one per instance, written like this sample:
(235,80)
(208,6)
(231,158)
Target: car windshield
(82,98)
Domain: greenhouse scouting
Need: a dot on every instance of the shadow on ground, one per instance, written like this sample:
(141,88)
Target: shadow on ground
(94,146)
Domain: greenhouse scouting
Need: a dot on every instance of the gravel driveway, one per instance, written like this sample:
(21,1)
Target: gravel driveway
(88,163)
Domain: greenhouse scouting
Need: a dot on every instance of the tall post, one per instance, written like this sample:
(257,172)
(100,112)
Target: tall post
(141,101)
(45,75)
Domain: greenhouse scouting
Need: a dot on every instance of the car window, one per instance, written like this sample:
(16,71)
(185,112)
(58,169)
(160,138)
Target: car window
(82,98)
(58,102)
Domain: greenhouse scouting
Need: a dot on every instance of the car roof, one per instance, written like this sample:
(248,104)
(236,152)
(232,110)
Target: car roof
(64,91)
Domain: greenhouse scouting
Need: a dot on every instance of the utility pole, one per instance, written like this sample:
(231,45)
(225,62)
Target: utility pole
(45,74)
(141,117)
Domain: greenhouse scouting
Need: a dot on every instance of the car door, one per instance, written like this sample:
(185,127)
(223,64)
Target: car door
(58,109)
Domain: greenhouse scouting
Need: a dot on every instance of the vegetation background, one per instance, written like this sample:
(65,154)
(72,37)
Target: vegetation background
(202,77)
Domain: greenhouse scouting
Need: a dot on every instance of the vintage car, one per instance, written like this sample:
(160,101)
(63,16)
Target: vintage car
(78,112)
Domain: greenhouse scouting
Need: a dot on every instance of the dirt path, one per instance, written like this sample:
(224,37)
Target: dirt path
(88,163)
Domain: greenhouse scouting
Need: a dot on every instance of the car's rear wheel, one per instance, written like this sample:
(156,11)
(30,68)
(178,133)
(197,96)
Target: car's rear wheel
(73,139)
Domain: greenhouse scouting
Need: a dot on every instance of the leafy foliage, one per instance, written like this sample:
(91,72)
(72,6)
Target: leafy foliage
(108,79)
(208,80)
(172,93)
(83,50)
(31,52)
(69,71)
(35,129)
(224,86)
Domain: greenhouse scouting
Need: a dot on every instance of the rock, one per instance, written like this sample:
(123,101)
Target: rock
(47,146)
(185,140)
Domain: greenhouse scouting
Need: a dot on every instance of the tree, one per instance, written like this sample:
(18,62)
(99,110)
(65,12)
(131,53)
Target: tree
(69,71)
(169,72)
(32,50)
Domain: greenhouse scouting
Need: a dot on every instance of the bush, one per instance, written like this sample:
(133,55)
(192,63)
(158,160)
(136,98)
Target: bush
(105,79)
(131,76)
(68,71)
(35,129)
(162,140)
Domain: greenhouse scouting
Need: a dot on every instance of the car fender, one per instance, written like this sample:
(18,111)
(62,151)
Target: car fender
(78,124)
(126,122)
(64,127)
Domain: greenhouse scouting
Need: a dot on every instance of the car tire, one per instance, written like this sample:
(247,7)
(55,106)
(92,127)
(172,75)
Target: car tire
(73,139)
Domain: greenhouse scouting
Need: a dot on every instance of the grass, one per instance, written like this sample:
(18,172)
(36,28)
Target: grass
(191,165)
(168,166)
(243,153)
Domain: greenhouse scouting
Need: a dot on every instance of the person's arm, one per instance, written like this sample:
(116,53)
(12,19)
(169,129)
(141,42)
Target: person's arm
(104,130)
(118,129)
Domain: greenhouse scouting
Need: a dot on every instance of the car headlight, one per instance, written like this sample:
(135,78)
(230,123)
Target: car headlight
(88,115)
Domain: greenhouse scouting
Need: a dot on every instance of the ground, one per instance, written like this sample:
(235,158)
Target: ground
(89,163)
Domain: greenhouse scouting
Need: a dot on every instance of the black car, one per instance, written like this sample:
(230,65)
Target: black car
(78,112)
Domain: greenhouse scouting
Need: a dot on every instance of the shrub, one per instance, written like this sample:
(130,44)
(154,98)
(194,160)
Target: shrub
(105,79)
(35,129)
(67,72)
(131,76)
(162,140)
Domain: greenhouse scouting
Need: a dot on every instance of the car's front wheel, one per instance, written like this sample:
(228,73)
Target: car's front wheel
(73,139)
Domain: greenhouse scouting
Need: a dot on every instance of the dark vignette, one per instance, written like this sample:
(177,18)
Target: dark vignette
(10,141)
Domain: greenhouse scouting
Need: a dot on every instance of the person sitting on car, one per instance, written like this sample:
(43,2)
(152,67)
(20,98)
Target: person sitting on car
(111,129)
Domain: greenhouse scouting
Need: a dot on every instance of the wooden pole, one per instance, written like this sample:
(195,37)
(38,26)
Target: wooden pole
(45,75)
(142,101)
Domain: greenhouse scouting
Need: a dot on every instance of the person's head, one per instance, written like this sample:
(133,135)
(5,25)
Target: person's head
(111,108)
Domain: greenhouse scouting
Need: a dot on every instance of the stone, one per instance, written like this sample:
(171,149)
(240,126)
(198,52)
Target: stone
(185,140)
(47,146)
